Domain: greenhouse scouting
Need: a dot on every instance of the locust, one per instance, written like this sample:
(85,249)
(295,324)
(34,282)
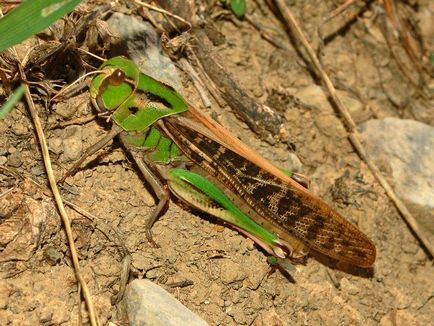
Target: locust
(180,151)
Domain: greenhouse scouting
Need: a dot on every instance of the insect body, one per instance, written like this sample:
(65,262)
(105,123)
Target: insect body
(206,167)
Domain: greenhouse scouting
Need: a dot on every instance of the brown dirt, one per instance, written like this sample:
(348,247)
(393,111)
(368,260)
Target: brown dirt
(231,285)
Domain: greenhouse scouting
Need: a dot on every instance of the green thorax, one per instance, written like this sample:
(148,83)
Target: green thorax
(160,148)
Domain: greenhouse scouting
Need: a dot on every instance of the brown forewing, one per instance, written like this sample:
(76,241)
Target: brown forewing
(289,208)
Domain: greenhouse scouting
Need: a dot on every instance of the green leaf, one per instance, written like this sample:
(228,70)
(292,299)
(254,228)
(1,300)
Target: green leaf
(12,101)
(238,7)
(31,17)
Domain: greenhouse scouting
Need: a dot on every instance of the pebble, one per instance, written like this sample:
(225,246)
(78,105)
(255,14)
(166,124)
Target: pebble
(72,144)
(406,148)
(15,160)
(52,255)
(150,305)
(38,170)
(20,129)
(56,145)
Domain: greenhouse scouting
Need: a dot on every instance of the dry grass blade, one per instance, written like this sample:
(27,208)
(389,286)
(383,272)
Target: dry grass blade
(392,12)
(200,87)
(52,181)
(164,12)
(401,35)
(354,135)
(338,10)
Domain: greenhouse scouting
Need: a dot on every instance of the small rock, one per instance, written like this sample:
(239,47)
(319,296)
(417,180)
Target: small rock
(50,316)
(3,160)
(52,255)
(294,162)
(348,287)
(72,144)
(20,129)
(6,290)
(149,304)
(56,145)
(269,318)
(66,109)
(15,160)
(407,147)
(38,170)
(425,22)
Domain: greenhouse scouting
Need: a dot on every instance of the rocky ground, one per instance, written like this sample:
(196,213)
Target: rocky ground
(231,283)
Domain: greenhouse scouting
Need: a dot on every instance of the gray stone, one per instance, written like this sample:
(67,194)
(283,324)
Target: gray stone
(149,304)
(140,42)
(405,149)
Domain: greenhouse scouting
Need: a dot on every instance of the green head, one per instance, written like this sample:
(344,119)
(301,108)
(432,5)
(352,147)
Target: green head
(138,100)
(115,84)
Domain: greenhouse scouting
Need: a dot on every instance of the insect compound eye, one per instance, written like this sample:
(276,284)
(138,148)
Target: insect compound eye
(117,77)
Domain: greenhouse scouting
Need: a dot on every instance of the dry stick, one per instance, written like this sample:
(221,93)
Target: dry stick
(162,11)
(392,12)
(51,179)
(338,10)
(6,192)
(259,117)
(354,135)
(267,36)
(205,79)
(200,87)
(78,121)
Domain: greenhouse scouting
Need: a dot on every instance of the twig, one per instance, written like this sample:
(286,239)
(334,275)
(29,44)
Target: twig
(353,133)
(391,10)
(79,121)
(267,36)
(206,80)
(260,118)
(6,192)
(338,10)
(164,12)
(52,181)
(186,66)
(330,16)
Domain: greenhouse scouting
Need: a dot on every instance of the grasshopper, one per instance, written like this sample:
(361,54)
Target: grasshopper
(194,158)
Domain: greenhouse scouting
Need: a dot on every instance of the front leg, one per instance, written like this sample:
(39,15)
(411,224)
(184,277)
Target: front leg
(160,190)
(115,130)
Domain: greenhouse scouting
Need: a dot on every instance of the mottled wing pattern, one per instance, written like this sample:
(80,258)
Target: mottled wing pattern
(289,209)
